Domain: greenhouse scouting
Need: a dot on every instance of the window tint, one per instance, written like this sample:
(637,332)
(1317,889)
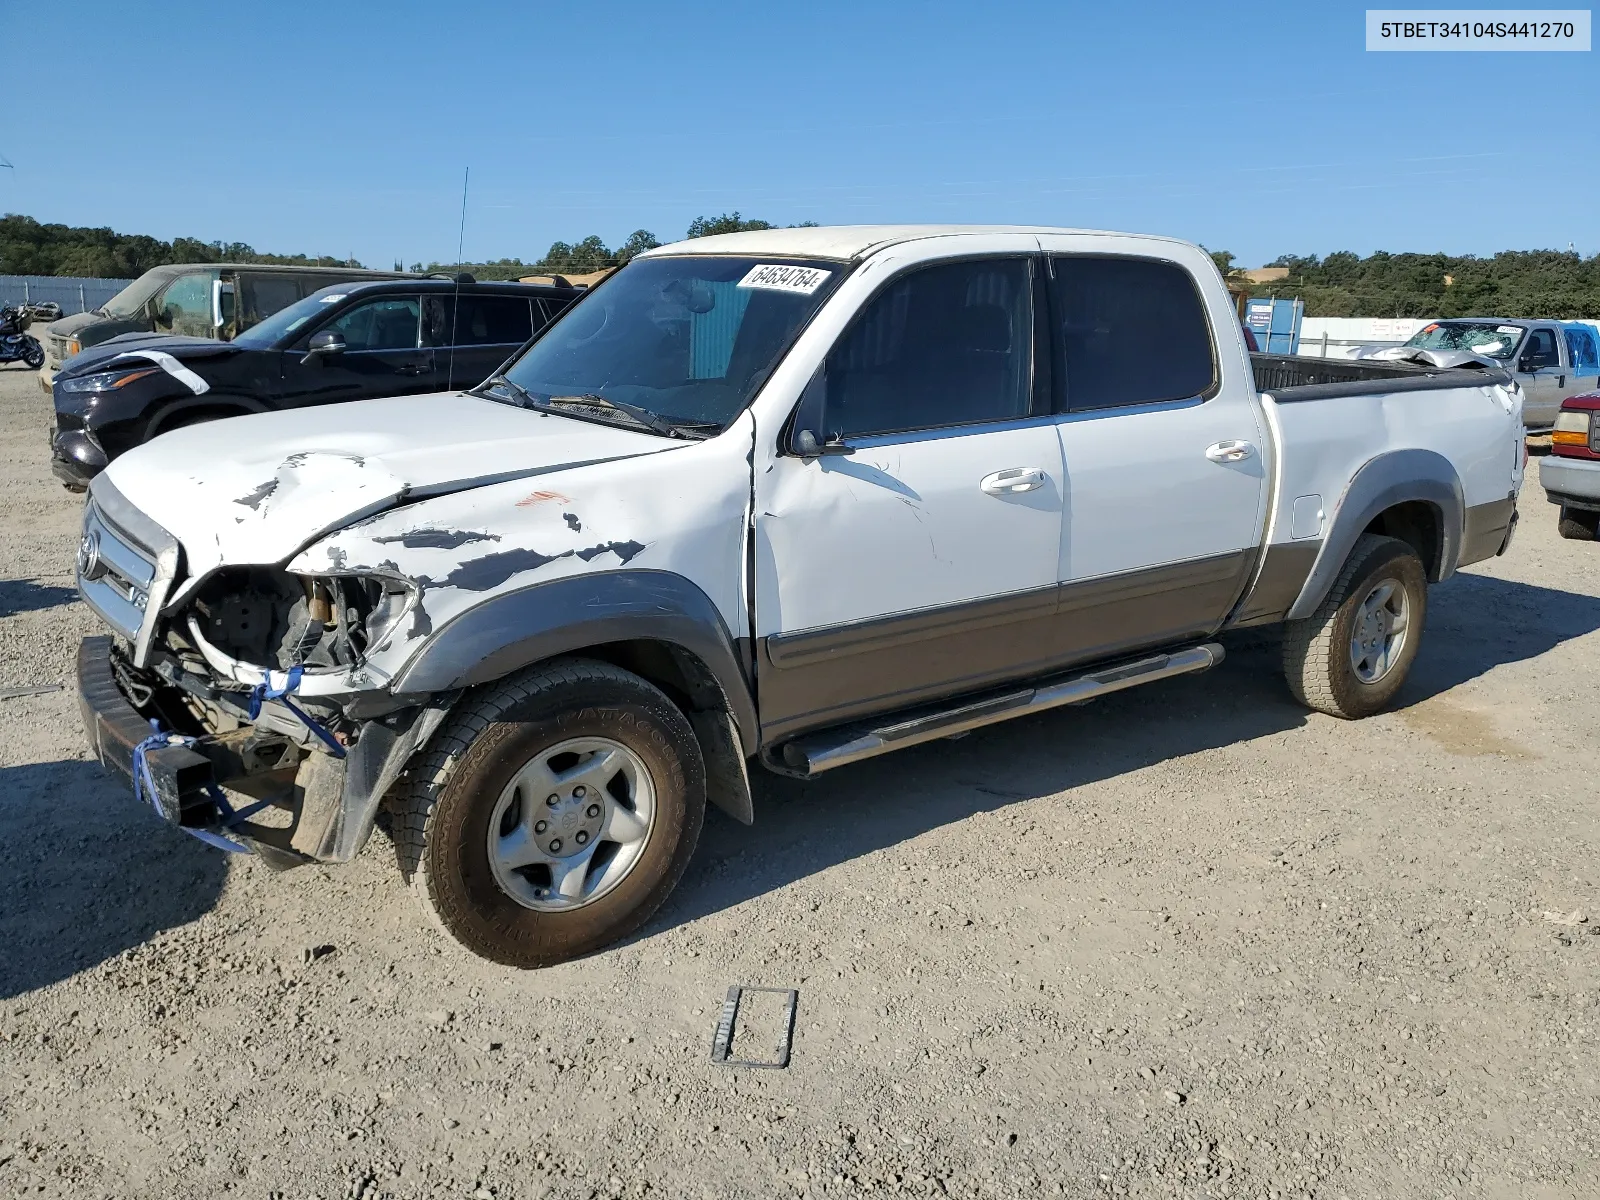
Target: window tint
(492,321)
(946,345)
(1128,331)
(267,294)
(386,324)
(1582,349)
(551,308)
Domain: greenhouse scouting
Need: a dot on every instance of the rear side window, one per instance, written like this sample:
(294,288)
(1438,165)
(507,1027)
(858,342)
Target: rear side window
(267,294)
(946,345)
(1127,331)
(1582,348)
(492,321)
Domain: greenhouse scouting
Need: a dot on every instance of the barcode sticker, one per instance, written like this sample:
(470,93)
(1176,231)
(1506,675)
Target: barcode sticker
(776,277)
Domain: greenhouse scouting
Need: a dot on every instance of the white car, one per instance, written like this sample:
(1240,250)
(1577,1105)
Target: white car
(790,498)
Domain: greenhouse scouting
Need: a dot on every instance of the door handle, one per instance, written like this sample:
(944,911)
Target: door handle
(413,368)
(1226,452)
(1012,480)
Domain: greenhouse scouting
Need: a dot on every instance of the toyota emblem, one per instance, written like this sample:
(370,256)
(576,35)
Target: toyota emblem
(90,566)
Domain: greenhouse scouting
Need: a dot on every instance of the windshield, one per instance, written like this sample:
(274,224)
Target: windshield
(130,301)
(265,334)
(1488,338)
(688,339)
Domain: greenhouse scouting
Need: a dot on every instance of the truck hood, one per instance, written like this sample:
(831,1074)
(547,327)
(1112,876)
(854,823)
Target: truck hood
(252,490)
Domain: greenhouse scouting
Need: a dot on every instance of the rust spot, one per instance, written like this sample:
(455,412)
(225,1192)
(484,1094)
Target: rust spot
(541,498)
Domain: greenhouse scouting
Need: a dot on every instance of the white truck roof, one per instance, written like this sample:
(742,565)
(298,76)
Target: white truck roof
(851,241)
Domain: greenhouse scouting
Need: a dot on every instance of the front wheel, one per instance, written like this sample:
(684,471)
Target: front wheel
(32,353)
(554,814)
(1350,657)
(1578,524)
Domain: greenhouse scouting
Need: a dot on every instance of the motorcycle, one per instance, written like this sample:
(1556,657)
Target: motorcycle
(15,343)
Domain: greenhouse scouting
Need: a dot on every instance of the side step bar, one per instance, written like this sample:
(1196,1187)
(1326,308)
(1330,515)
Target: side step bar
(817,752)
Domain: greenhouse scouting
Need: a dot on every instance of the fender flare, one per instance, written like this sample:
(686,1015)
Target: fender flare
(565,616)
(1396,477)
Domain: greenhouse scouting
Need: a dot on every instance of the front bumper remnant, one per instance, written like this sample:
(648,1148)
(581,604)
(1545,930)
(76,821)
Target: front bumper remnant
(182,777)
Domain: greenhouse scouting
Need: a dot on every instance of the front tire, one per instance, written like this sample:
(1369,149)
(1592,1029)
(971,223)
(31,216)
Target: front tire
(1578,524)
(32,354)
(1350,657)
(554,814)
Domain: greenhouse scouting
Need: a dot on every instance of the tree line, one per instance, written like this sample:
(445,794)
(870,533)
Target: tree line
(1553,284)
(28,247)
(592,254)
(1513,283)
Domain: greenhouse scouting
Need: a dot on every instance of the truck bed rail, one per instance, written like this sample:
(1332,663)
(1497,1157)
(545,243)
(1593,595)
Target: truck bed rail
(1291,377)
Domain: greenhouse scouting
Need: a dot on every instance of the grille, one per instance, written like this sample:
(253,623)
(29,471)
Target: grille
(1594,432)
(120,575)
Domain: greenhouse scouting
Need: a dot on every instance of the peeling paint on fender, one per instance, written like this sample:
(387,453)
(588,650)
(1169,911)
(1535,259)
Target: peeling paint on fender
(436,539)
(254,499)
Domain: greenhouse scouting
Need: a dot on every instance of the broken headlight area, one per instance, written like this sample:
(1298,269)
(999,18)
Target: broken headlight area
(262,619)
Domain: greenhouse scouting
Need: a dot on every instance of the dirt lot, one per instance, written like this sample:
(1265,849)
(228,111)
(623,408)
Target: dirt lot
(1187,941)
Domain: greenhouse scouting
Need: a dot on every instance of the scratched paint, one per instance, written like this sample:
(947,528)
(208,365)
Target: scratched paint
(436,539)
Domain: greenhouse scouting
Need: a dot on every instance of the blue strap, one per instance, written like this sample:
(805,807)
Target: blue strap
(144,786)
(264,691)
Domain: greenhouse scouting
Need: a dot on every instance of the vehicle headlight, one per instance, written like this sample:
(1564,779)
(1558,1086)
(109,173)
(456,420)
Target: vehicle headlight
(1571,428)
(106,381)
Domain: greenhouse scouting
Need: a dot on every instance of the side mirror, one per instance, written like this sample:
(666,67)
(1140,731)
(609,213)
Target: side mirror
(325,343)
(808,417)
(805,445)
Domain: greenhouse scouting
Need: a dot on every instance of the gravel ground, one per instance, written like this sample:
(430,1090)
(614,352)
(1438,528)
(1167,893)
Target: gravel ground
(1187,941)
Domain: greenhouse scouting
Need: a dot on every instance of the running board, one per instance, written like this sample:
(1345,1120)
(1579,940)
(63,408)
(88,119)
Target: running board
(818,752)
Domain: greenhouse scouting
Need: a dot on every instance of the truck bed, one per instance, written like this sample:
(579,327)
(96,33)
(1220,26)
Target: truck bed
(1291,377)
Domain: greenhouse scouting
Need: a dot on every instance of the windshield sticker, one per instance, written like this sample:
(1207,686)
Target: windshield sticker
(774,277)
(1488,347)
(333,299)
(1507,329)
(1430,328)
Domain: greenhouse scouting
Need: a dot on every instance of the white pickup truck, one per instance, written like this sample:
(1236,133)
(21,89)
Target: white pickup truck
(794,497)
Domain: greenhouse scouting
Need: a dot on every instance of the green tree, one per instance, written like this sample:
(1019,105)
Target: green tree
(727,223)
(638,242)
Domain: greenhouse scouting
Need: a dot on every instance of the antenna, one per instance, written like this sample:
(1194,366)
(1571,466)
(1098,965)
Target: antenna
(455,307)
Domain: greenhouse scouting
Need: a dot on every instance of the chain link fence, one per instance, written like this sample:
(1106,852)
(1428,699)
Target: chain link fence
(75,295)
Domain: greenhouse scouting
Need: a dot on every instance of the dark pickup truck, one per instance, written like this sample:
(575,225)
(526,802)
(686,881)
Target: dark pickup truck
(345,342)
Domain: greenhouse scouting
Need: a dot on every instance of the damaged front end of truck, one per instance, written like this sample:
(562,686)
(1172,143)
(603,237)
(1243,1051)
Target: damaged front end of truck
(247,706)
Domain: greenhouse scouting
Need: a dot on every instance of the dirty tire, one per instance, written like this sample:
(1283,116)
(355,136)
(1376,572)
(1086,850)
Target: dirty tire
(443,807)
(1316,650)
(1578,525)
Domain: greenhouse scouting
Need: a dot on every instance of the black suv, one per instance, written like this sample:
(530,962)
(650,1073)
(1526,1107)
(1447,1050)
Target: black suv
(346,342)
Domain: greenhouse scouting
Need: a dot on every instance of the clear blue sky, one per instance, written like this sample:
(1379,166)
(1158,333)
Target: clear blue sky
(1261,128)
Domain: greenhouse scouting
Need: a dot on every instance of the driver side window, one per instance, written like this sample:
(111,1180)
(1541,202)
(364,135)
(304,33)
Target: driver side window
(942,346)
(185,306)
(388,323)
(1542,348)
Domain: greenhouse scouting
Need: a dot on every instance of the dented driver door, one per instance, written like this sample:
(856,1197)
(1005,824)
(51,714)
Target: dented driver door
(923,561)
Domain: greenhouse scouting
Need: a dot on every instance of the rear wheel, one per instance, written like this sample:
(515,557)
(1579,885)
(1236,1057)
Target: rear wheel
(1578,524)
(554,814)
(1350,656)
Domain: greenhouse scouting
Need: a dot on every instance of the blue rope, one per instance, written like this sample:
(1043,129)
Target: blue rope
(264,691)
(144,788)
